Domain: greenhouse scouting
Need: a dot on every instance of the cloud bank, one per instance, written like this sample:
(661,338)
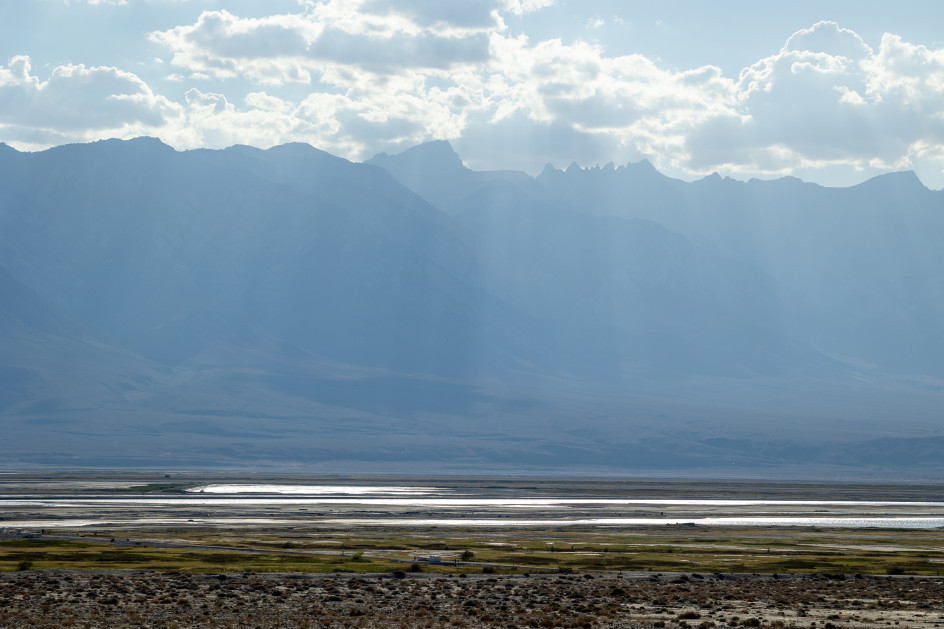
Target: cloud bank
(357,77)
(76,102)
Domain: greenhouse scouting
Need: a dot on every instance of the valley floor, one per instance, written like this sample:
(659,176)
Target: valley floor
(59,598)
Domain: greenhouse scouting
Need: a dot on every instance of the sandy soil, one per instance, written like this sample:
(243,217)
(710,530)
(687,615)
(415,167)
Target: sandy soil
(147,599)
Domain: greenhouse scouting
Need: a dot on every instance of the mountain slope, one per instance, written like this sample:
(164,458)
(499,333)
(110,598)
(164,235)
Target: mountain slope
(174,253)
(864,258)
(638,297)
(287,307)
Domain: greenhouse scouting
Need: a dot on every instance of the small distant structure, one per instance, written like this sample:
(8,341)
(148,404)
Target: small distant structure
(434,559)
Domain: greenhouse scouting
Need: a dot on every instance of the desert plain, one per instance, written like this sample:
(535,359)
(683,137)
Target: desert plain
(156,551)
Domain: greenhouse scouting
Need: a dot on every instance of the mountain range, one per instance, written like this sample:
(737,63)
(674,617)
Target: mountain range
(286,308)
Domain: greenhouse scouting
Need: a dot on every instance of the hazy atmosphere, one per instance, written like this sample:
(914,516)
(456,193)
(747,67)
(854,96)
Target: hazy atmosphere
(485,236)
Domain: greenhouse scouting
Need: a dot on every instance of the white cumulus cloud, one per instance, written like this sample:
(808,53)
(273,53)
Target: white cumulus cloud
(78,102)
(360,76)
(827,98)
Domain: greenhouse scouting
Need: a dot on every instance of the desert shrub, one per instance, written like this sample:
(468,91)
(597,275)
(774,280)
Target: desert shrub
(415,567)
(488,570)
(893,570)
(689,615)
(25,564)
(467,555)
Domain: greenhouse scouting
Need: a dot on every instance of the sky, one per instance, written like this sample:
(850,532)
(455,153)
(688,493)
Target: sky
(832,92)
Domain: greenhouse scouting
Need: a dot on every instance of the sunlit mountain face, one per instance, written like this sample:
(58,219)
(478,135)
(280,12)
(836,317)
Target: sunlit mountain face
(289,307)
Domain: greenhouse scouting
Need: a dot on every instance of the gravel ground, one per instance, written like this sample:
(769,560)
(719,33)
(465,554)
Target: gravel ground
(150,599)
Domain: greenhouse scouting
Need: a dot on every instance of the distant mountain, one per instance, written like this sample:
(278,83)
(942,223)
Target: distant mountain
(864,259)
(173,253)
(287,307)
(435,172)
(625,290)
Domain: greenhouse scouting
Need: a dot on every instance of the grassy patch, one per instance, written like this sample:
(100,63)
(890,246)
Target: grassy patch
(39,555)
(700,550)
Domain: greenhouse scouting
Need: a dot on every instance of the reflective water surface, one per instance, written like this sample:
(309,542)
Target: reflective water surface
(463,504)
(311,490)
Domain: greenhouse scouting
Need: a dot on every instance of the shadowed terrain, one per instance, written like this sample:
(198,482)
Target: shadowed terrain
(165,309)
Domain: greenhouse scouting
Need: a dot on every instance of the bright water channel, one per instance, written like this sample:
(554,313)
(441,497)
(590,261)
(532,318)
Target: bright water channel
(294,505)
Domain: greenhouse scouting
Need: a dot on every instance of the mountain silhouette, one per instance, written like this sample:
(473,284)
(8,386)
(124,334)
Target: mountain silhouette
(288,306)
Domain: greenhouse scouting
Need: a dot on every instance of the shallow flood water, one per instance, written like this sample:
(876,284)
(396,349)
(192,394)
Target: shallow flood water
(823,522)
(442,505)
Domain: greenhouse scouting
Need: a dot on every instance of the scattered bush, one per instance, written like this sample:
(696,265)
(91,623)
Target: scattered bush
(25,564)
(467,555)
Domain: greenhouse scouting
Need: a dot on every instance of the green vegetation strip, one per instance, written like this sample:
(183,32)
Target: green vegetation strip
(42,554)
(671,549)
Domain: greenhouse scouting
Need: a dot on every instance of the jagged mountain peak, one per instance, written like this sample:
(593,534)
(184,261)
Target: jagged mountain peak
(434,156)
(643,165)
(142,142)
(905,179)
(298,149)
(548,170)
(143,146)
(433,149)
(713,178)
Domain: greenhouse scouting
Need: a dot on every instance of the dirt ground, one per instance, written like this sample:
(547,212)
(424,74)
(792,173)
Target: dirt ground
(151,599)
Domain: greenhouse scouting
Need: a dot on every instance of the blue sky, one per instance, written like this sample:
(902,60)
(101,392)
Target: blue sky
(832,92)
